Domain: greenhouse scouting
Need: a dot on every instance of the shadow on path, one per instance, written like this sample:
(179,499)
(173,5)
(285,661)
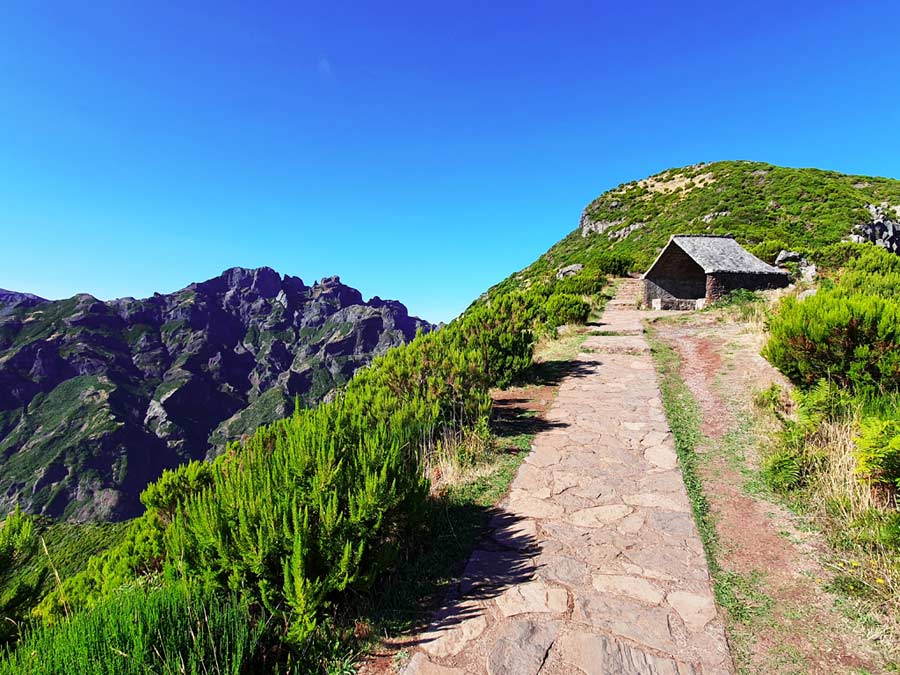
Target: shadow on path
(552,373)
(503,558)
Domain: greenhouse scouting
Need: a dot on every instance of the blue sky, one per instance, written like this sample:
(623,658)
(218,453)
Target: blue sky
(422,153)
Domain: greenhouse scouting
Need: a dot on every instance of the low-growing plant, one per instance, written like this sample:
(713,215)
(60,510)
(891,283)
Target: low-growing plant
(588,281)
(851,339)
(769,249)
(878,450)
(17,545)
(738,296)
(783,470)
(173,629)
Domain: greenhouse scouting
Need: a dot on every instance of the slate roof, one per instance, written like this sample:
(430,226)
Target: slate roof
(718,254)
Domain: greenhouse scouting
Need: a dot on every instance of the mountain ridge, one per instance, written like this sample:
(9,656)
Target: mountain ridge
(98,397)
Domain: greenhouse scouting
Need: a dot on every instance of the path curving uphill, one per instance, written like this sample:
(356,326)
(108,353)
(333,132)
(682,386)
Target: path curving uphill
(593,563)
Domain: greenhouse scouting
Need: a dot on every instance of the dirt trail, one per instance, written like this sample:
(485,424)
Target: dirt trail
(593,564)
(795,626)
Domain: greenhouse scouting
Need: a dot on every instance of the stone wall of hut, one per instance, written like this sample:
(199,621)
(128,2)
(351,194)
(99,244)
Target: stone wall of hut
(721,284)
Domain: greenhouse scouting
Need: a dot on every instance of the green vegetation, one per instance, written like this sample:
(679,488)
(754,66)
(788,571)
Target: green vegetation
(878,450)
(170,629)
(849,332)
(303,517)
(838,455)
(17,547)
(563,308)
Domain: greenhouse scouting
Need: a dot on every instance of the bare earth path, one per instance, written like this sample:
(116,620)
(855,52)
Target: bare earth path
(593,564)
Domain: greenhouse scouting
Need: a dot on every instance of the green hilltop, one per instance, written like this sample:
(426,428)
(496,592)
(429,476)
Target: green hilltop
(767,208)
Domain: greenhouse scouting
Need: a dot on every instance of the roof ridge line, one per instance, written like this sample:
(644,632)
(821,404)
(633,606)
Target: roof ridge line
(705,236)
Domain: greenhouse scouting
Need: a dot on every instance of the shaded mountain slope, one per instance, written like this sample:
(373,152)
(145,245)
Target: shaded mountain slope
(12,300)
(97,398)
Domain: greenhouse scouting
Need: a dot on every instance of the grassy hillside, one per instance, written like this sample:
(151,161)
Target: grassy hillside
(765,207)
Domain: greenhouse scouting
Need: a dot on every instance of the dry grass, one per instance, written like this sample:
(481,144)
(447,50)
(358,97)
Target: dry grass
(848,502)
(460,457)
(673,182)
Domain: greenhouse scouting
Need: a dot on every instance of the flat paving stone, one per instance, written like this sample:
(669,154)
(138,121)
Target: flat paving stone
(593,563)
(594,654)
(533,597)
(448,636)
(521,648)
(419,664)
(696,610)
(631,586)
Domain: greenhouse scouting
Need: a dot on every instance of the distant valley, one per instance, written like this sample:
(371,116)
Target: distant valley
(97,398)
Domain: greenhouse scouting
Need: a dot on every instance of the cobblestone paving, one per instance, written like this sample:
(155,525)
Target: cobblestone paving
(593,563)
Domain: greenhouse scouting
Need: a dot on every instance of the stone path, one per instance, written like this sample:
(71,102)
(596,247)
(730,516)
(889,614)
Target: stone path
(593,563)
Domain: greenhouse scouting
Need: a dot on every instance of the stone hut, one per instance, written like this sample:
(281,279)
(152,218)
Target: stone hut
(693,270)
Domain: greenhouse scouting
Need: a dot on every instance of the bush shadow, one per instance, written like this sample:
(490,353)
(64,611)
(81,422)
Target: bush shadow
(503,558)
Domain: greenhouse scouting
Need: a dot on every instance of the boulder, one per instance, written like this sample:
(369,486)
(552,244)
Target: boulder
(787,256)
(569,270)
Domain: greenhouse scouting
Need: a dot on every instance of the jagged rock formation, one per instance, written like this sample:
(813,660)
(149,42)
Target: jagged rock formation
(97,398)
(881,230)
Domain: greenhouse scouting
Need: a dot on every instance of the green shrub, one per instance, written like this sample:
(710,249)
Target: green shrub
(855,282)
(874,260)
(563,308)
(18,545)
(318,505)
(739,296)
(878,450)
(589,281)
(164,495)
(614,263)
(853,339)
(836,256)
(769,249)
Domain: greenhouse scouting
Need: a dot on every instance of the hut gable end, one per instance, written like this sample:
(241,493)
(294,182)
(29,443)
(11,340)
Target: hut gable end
(695,269)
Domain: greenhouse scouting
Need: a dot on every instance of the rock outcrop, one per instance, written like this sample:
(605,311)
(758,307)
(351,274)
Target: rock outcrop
(97,398)
(882,230)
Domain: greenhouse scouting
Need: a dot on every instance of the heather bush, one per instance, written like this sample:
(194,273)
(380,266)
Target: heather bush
(588,281)
(563,308)
(18,545)
(851,338)
(769,249)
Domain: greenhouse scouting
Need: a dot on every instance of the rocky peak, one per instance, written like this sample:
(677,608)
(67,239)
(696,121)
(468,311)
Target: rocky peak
(16,298)
(331,288)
